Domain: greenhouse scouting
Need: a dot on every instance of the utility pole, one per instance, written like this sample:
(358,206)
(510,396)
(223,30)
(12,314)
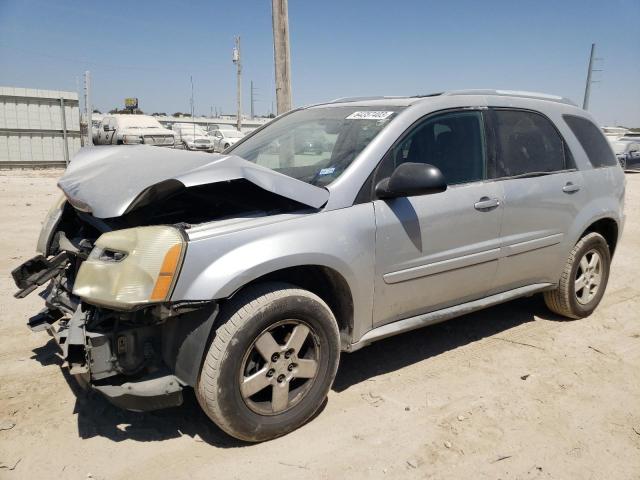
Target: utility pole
(590,81)
(191,100)
(281,54)
(87,106)
(587,89)
(252,101)
(236,60)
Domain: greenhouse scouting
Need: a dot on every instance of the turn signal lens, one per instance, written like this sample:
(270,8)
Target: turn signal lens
(167,272)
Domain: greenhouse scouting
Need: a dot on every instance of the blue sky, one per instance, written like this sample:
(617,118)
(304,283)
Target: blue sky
(148,49)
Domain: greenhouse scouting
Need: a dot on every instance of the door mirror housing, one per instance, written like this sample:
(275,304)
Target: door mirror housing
(105,128)
(410,179)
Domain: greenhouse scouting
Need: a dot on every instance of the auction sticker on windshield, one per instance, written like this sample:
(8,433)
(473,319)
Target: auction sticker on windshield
(370,115)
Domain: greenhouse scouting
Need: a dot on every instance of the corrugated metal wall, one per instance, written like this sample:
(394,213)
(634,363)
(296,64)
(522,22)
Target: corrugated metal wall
(32,129)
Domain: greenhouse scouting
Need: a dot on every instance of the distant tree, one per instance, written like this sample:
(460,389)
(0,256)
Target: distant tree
(126,111)
(181,114)
(95,110)
(158,114)
(271,115)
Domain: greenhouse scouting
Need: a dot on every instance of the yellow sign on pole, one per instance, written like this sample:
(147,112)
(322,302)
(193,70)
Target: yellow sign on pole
(131,103)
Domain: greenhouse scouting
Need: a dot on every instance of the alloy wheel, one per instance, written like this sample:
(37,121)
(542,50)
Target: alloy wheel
(280,367)
(588,277)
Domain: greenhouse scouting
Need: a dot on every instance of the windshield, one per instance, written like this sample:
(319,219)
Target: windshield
(232,133)
(317,144)
(138,121)
(191,131)
(619,147)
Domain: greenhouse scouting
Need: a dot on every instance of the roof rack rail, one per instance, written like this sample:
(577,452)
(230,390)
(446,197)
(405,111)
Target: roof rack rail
(513,93)
(359,99)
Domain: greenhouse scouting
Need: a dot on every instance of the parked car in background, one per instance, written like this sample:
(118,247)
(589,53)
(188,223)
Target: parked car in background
(244,276)
(627,150)
(614,133)
(193,137)
(96,126)
(224,138)
(121,129)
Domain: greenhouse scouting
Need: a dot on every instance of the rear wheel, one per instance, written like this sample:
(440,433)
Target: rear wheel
(584,279)
(271,363)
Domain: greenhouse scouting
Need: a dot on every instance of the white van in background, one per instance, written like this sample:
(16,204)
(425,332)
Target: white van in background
(122,129)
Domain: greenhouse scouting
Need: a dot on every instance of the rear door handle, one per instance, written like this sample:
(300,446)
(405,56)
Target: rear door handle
(570,188)
(486,203)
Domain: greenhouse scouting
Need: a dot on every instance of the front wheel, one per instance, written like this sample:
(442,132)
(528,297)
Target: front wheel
(271,363)
(584,279)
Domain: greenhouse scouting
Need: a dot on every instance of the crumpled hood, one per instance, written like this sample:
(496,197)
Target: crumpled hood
(107,180)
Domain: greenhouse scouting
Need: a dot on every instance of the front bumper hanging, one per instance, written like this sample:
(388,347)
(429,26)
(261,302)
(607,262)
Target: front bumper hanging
(139,360)
(36,272)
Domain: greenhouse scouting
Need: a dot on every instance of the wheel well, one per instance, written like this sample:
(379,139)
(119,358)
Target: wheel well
(325,282)
(608,228)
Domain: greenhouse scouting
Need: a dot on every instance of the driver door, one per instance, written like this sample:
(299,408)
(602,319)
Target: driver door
(441,249)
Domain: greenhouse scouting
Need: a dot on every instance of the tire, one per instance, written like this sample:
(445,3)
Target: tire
(226,145)
(281,312)
(569,301)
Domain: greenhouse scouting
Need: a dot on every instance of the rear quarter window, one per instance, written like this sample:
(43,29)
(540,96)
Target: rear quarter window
(592,140)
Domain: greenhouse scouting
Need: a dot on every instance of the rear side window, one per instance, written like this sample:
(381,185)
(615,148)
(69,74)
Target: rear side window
(527,143)
(592,140)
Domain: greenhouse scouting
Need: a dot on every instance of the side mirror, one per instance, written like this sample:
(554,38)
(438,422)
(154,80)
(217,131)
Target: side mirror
(105,128)
(410,179)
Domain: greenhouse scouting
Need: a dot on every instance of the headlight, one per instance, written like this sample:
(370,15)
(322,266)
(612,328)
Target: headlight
(131,267)
(132,139)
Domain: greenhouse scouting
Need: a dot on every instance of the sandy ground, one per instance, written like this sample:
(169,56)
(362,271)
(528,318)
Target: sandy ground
(510,392)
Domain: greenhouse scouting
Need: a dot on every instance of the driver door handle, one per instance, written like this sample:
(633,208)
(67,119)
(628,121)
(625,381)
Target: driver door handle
(570,188)
(486,203)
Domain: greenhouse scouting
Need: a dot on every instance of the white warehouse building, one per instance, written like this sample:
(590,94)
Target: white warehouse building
(38,127)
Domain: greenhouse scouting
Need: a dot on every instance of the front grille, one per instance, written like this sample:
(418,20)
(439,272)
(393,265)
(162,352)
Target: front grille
(158,139)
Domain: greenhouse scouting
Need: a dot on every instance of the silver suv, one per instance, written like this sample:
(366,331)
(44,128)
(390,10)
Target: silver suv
(245,275)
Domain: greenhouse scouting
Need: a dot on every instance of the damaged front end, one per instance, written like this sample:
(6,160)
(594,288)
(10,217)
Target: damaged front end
(108,312)
(110,252)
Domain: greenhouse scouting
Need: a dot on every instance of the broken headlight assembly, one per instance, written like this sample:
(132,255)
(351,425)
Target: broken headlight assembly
(131,267)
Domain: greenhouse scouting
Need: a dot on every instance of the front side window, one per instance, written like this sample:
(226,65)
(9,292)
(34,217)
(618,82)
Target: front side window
(317,144)
(592,140)
(528,143)
(453,142)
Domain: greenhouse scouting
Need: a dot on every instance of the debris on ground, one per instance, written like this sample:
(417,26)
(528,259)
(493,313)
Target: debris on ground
(7,424)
